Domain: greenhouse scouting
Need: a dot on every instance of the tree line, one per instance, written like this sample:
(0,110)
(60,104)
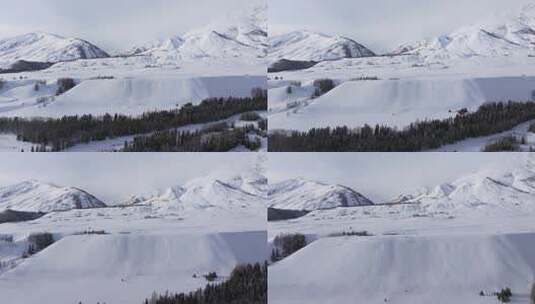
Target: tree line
(247,284)
(61,133)
(208,140)
(489,119)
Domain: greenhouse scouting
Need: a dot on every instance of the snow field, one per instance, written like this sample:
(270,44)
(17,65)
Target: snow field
(406,269)
(130,96)
(396,103)
(127,268)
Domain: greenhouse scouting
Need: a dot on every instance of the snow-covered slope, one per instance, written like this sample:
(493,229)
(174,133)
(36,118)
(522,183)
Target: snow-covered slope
(34,196)
(127,268)
(516,36)
(313,46)
(406,269)
(240,36)
(302,194)
(45,47)
(394,102)
(131,96)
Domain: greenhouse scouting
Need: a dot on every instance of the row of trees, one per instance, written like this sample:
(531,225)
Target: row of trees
(196,141)
(247,285)
(62,133)
(489,119)
(286,244)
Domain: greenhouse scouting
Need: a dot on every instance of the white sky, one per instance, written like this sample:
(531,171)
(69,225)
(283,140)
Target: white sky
(113,24)
(384,176)
(382,25)
(113,177)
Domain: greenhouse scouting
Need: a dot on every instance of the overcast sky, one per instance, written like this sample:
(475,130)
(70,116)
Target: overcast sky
(113,24)
(113,177)
(382,25)
(384,176)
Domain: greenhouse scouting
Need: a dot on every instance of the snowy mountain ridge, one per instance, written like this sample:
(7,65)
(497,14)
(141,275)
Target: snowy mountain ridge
(489,192)
(239,191)
(46,47)
(234,37)
(308,195)
(514,37)
(35,196)
(306,45)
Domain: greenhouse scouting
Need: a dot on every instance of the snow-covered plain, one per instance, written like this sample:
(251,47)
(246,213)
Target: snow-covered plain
(442,245)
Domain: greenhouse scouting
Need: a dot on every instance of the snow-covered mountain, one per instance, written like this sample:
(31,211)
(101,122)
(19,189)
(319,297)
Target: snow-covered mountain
(235,192)
(302,194)
(509,191)
(34,196)
(46,47)
(516,36)
(243,36)
(313,46)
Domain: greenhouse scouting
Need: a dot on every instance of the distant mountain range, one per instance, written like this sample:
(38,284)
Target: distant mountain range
(511,190)
(244,36)
(516,36)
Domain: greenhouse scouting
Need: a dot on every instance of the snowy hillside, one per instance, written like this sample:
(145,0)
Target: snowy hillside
(516,36)
(302,194)
(243,36)
(45,47)
(34,196)
(127,268)
(409,269)
(313,46)
(207,193)
(508,192)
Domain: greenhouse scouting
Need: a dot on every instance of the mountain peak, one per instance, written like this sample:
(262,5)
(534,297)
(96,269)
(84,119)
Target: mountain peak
(46,47)
(306,45)
(36,196)
(241,36)
(309,195)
